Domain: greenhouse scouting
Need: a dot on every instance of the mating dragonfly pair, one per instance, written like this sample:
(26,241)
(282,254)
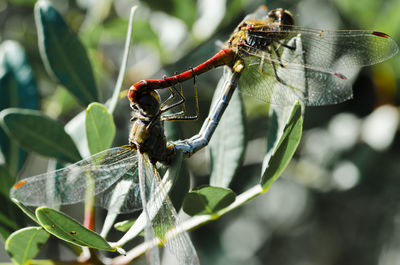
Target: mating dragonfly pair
(268,57)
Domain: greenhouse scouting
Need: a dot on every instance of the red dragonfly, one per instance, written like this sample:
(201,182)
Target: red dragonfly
(283,62)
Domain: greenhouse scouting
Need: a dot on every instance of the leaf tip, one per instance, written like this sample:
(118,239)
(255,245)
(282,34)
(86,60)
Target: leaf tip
(43,5)
(120,250)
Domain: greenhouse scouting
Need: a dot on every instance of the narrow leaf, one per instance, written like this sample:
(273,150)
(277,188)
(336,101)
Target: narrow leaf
(285,148)
(8,148)
(24,244)
(228,143)
(207,200)
(100,128)
(70,230)
(63,54)
(124,225)
(14,61)
(18,89)
(36,132)
(30,213)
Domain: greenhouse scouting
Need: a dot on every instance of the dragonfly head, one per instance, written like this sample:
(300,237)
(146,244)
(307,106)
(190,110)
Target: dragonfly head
(281,17)
(148,103)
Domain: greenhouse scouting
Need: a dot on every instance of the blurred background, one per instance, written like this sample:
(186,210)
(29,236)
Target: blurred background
(338,201)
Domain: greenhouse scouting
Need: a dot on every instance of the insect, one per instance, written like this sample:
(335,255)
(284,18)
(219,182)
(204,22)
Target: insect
(131,171)
(284,63)
(123,179)
(269,58)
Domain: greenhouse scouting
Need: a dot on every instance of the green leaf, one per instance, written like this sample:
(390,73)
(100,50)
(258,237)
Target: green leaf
(34,131)
(207,200)
(14,61)
(124,225)
(63,54)
(100,128)
(8,148)
(228,143)
(70,230)
(28,211)
(18,89)
(24,244)
(285,148)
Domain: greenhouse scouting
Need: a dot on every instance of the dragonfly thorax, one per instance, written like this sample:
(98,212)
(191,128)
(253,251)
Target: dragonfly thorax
(261,33)
(147,133)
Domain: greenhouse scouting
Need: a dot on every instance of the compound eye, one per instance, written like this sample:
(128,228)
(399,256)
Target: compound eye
(287,18)
(273,14)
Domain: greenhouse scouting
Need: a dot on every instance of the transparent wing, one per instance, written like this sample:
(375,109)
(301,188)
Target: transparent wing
(147,189)
(124,195)
(311,65)
(165,218)
(287,79)
(333,50)
(70,184)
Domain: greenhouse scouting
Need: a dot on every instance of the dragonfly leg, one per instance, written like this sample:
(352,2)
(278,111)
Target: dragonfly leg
(174,116)
(172,95)
(165,106)
(293,48)
(278,55)
(286,61)
(273,65)
(173,91)
(179,115)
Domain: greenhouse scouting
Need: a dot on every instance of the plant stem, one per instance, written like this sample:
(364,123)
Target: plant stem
(191,224)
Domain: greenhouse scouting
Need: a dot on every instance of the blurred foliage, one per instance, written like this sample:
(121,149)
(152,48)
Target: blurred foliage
(339,199)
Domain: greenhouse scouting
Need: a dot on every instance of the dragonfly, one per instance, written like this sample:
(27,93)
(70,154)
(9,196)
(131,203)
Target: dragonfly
(283,63)
(123,179)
